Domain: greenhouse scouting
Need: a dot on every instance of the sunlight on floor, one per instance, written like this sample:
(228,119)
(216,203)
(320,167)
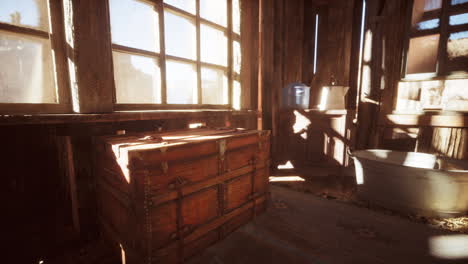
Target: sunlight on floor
(196,125)
(288,165)
(449,247)
(286,179)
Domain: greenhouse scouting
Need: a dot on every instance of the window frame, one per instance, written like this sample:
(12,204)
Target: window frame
(444,30)
(56,36)
(160,7)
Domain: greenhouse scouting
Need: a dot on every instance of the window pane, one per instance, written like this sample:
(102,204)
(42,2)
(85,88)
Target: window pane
(422,6)
(181,83)
(236,16)
(236,95)
(180,36)
(213,45)
(214,86)
(237,57)
(27,13)
(186,5)
(457,2)
(27,70)
(428,24)
(134,24)
(215,11)
(457,50)
(422,54)
(137,79)
(459,19)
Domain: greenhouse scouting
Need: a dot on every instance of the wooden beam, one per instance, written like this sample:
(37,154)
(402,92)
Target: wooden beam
(249,53)
(355,55)
(308,42)
(91,54)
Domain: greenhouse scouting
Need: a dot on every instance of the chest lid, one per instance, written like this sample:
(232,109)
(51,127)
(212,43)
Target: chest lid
(181,144)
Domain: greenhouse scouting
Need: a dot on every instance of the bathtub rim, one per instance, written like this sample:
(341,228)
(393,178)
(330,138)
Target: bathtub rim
(354,156)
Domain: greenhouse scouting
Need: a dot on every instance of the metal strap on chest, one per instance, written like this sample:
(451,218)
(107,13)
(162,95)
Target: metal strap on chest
(221,186)
(177,185)
(254,163)
(147,205)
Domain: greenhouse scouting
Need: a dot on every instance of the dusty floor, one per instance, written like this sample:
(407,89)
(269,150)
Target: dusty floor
(303,228)
(328,182)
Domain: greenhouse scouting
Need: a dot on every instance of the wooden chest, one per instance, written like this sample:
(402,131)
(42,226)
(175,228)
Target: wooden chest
(165,196)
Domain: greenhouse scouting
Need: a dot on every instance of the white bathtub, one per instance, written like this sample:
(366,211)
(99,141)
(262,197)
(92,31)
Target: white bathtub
(412,182)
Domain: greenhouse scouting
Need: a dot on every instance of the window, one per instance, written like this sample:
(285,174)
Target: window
(176,53)
(437,43)
(30,50)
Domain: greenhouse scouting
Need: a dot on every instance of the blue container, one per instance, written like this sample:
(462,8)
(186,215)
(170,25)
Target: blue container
(296,95)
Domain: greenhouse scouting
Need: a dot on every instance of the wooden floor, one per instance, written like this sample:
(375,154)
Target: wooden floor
(303,228)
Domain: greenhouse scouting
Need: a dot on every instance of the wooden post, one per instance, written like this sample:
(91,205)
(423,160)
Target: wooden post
(89,55)
(250,53)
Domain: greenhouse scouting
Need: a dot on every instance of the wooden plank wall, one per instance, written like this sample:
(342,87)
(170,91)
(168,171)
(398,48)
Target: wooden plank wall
(287,46)
(281,32)
(386,24)
(335,33)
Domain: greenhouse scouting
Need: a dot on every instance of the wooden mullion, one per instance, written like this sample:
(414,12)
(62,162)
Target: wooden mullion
(25,30)
(178,11)
(199,78)
(230,53)
(135,51)
(175,58)
(457,28)
(442,55)
(212,24)
(58,46)
(224,68)
(420,33)
(458,9)
(430,15)
(162,51)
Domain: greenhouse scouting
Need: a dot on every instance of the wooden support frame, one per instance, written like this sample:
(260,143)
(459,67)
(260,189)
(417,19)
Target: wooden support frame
(162,57)
(56,36)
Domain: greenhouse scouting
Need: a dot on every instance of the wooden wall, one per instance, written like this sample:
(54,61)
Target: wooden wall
(287,50)
(335,33)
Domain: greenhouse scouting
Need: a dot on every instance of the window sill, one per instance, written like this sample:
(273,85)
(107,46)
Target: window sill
(430,118)
(433,77)
(119,116)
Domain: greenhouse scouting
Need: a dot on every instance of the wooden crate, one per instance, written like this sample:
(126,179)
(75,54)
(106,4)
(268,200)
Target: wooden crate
(165,196)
